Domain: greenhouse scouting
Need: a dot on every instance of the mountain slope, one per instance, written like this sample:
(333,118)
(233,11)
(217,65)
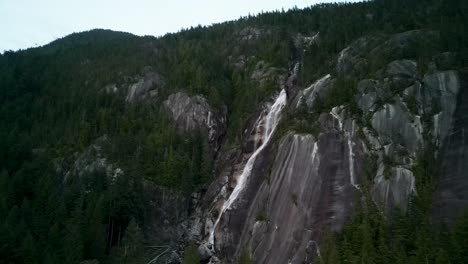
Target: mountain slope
(110,142)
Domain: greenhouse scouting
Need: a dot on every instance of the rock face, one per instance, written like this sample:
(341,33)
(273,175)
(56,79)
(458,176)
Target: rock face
(282,213)
(194,113)
(394,124)
(93,161)
(442,92)
(245,183)
(316,92)
(452,195)
(396,105)
(146,86)
(251,33)
(310,187)
(305,182)
(394,190)
(303,42)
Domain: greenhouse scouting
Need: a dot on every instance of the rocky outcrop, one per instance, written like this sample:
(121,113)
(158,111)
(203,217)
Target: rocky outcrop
(307,181)
(231,211)
(251,33)
(402,45)
(405,114)
(441,96)
(316,92)
(193,113)
(451,198)
(380,49)
(264,73)
(310,187)
(281,214)
(146,86)
(352,58)
(302,42)
(401,111)
(394,124)
(90,162)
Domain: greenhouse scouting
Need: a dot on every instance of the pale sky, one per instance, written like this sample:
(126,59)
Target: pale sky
(30,23)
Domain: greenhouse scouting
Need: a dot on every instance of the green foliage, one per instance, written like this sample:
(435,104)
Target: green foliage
(389,163)
(328,252)
(261,216)
(245,258)
(53,106)
(294,199)
(411,103)
(341,93)
(191,255)
(132,242)
(369,236)
(300,121)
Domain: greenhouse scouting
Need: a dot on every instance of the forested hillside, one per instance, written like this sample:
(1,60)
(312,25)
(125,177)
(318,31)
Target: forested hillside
(86,138)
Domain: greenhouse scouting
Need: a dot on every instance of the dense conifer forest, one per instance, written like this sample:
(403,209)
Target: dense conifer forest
(54,106)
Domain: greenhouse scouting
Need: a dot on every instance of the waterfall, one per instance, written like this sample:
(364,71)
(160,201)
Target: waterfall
(270,121)
(348,135)
(352,179)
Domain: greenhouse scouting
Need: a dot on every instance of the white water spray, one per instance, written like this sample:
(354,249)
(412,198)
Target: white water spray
(352,179)
(270,122)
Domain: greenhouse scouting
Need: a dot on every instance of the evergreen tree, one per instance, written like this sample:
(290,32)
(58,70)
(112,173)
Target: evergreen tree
(132,243)
(329,253)
(191,255)
(28,249)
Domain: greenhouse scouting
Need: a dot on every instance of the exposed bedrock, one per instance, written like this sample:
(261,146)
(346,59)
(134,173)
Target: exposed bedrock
(451,197)
(303,183)
(315,92)
(231,204)
(395,125)
(193,113)
(146,86)
(285,208)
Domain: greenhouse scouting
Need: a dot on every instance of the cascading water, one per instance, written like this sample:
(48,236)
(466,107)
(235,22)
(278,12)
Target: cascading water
(270,121)
(352,180)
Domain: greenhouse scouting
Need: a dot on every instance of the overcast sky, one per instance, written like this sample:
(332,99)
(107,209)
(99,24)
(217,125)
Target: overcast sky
(29,23)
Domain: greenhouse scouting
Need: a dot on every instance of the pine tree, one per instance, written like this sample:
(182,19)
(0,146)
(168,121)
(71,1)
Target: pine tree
(73,246)
(191,255)
(441,257)
(329,252)
(96,236)
(245,258)
(73,243)
(28,249)
(132,241)
(55,238)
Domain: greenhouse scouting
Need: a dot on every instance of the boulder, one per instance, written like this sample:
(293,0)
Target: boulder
(204,252)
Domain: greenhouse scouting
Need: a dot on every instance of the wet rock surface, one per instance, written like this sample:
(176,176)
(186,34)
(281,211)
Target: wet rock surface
(309,188)
(304,183)
(452,189)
